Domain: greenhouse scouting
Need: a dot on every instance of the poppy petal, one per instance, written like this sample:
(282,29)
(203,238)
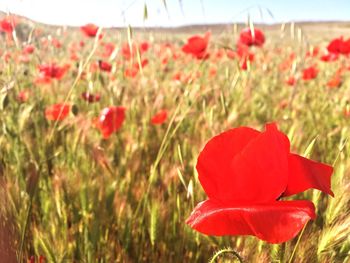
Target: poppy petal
(305,174)
(275,222)
(263,161)
(213,163)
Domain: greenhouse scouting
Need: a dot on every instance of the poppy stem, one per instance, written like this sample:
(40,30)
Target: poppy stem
(282,251)
(24,230)
(296,245)
(223,251)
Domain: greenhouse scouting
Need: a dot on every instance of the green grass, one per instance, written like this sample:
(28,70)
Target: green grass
(71,196)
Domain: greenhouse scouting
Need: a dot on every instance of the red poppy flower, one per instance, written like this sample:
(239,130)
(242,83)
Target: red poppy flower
(339,46)
(144,63)
(104,66)
(310,73)
(56,43)
(334,82)
(285,64)
(131,72)
(52,70)
(197,46)
(57,112)
(110,120)
(90,30)
(244,173)
(74,56)
(231,54)
(144,46)
(7,25)
(247,38)
(176,56)
(89,97)
(177,76)
(212,71)
(23,95)
(220,53)
(160,117)
(42,259)
(165,61)
(7,56)
(291,81)
(29,49)
(108,50)
(127,51)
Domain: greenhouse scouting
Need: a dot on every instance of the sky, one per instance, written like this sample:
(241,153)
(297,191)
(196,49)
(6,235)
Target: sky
(109,13)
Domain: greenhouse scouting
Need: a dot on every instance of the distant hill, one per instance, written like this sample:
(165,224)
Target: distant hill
(332,28)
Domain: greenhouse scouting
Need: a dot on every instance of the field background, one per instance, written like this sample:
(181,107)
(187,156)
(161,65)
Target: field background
(70,196)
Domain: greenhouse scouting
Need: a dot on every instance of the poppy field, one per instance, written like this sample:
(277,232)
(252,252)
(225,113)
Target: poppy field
(196,145)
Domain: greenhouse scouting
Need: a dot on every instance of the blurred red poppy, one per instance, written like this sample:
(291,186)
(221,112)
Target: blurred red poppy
(108,50)
(110,120)
(89,97)
(131,72)
(291,81)
(56,43)
(104,66)
(143,64)
(334,82)
(128,51)
(160,117)
(231,54)
(197,46)
(339,46)
(244,173)
(144,46)
(89,30)
(74,56)
(23,95)
(57,112)
(7,56)
(28,49)
(53,71)
(165,61)
(247,38)
(42,259)
(220,54)
(177,76)
(310,73)
(212,71)
(7,25)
